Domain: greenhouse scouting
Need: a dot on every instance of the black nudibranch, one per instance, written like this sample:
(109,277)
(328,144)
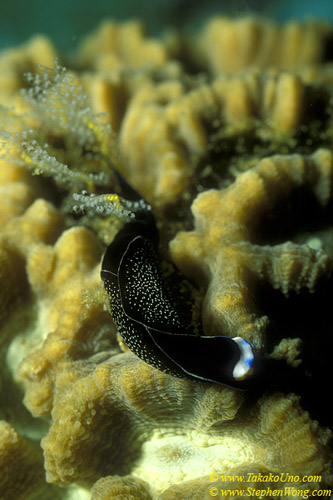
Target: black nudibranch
(144,313)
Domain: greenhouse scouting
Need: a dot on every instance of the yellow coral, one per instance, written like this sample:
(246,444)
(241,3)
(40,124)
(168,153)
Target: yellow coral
(21,466)
(89,410)
(167,128)
(156,446)
(13,280)
(16,190)
(15,62)
(111,393)
(115,422)
(231,45)
(220,248)
(62,278)
(120,488)
(123,45)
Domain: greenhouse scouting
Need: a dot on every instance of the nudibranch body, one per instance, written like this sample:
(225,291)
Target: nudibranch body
(143,310)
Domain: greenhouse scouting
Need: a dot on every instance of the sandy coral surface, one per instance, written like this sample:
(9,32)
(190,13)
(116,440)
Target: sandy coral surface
(234,154)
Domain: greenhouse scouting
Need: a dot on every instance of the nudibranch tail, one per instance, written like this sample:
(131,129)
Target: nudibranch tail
(206,358)
(143,309)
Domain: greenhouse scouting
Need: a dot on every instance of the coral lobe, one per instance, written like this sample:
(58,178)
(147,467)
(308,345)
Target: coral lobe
(238,143)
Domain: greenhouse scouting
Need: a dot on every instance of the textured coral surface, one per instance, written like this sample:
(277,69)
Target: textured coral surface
(228,125)
(220,246)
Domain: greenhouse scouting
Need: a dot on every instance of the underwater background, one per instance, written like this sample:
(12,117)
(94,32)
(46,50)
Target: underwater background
(65,22)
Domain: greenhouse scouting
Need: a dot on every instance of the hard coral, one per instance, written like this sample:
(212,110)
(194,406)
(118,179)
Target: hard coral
(121,45)
(169,127)
(63,277)
(24,221)
(22,474)
(230,45)
(142,411)
(219,251)
(110,394)
(116,424)
(120,488)
(15,62)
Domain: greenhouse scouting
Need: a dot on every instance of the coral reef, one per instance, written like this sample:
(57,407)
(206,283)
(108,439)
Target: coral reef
(246,140)
(158,446)
(122,46)
(219,251)
(16,61)
(21,465)
(167,125)
(118,487)
(221,46)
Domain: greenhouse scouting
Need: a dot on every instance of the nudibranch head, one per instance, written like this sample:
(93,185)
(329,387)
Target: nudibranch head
(244,366)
